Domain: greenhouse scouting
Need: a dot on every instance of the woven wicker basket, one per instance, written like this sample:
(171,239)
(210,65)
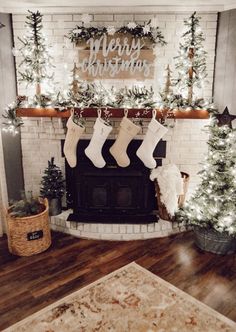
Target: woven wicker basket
(163,214)
(29,235)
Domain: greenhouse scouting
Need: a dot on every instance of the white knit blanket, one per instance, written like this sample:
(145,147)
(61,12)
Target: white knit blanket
(171,185)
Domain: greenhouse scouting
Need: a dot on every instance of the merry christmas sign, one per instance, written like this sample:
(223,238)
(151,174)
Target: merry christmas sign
(119,57)
(124,53)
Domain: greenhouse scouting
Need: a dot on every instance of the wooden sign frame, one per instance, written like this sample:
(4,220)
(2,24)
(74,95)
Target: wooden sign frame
(93,64)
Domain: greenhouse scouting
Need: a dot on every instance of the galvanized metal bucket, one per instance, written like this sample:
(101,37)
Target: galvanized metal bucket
(213,241)
(54,206)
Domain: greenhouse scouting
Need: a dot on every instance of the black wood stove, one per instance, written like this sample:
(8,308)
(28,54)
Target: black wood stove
(112,194)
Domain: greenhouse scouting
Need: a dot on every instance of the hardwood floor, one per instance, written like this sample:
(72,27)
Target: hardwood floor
(27,284)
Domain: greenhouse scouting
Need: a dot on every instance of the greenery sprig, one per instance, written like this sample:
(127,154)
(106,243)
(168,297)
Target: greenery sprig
(136,97)
(27,206)
(146,31)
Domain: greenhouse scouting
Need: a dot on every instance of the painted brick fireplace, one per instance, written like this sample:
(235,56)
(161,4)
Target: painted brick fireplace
(41,138)
(185,143)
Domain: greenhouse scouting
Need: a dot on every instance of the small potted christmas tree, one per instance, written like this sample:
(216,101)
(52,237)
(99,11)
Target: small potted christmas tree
(52,187)
(211,209)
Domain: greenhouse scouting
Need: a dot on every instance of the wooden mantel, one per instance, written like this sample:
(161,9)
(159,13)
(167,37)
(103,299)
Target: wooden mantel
(113,113)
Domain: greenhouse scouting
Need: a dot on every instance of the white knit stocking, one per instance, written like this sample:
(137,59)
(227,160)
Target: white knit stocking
(154,133)
(94,150)
(74,132)
(128,130)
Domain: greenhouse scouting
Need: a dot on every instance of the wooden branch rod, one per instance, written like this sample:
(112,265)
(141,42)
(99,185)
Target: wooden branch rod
(113,113)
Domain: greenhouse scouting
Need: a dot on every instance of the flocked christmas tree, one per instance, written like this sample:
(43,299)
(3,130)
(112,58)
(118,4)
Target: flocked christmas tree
(213,204)
(191,62)
(52,185)
(75,85)
(37,67)
(167,96)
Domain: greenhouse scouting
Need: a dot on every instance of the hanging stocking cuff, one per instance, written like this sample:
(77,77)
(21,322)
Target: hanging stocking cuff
(128,126)
(73,135)
(103,127)
(78,128)
(155,127)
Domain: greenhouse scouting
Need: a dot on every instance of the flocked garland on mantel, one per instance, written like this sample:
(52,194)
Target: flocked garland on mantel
(88,96)
(85,95)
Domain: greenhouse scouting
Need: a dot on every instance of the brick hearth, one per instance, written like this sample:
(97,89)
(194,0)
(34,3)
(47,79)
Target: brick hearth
(123,232)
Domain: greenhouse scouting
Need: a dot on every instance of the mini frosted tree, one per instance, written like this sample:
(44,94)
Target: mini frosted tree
(75,85)
(167,92)
(52,185)
(213,204)
(37,62)
(169,100)
(191,60)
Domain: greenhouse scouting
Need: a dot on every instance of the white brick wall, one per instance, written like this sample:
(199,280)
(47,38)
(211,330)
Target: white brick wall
(186,147)
(58,25)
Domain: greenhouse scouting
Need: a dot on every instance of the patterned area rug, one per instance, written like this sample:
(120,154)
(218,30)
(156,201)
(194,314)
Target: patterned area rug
(129,299)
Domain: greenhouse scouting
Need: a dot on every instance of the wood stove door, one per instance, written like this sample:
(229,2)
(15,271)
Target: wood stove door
(116,193)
